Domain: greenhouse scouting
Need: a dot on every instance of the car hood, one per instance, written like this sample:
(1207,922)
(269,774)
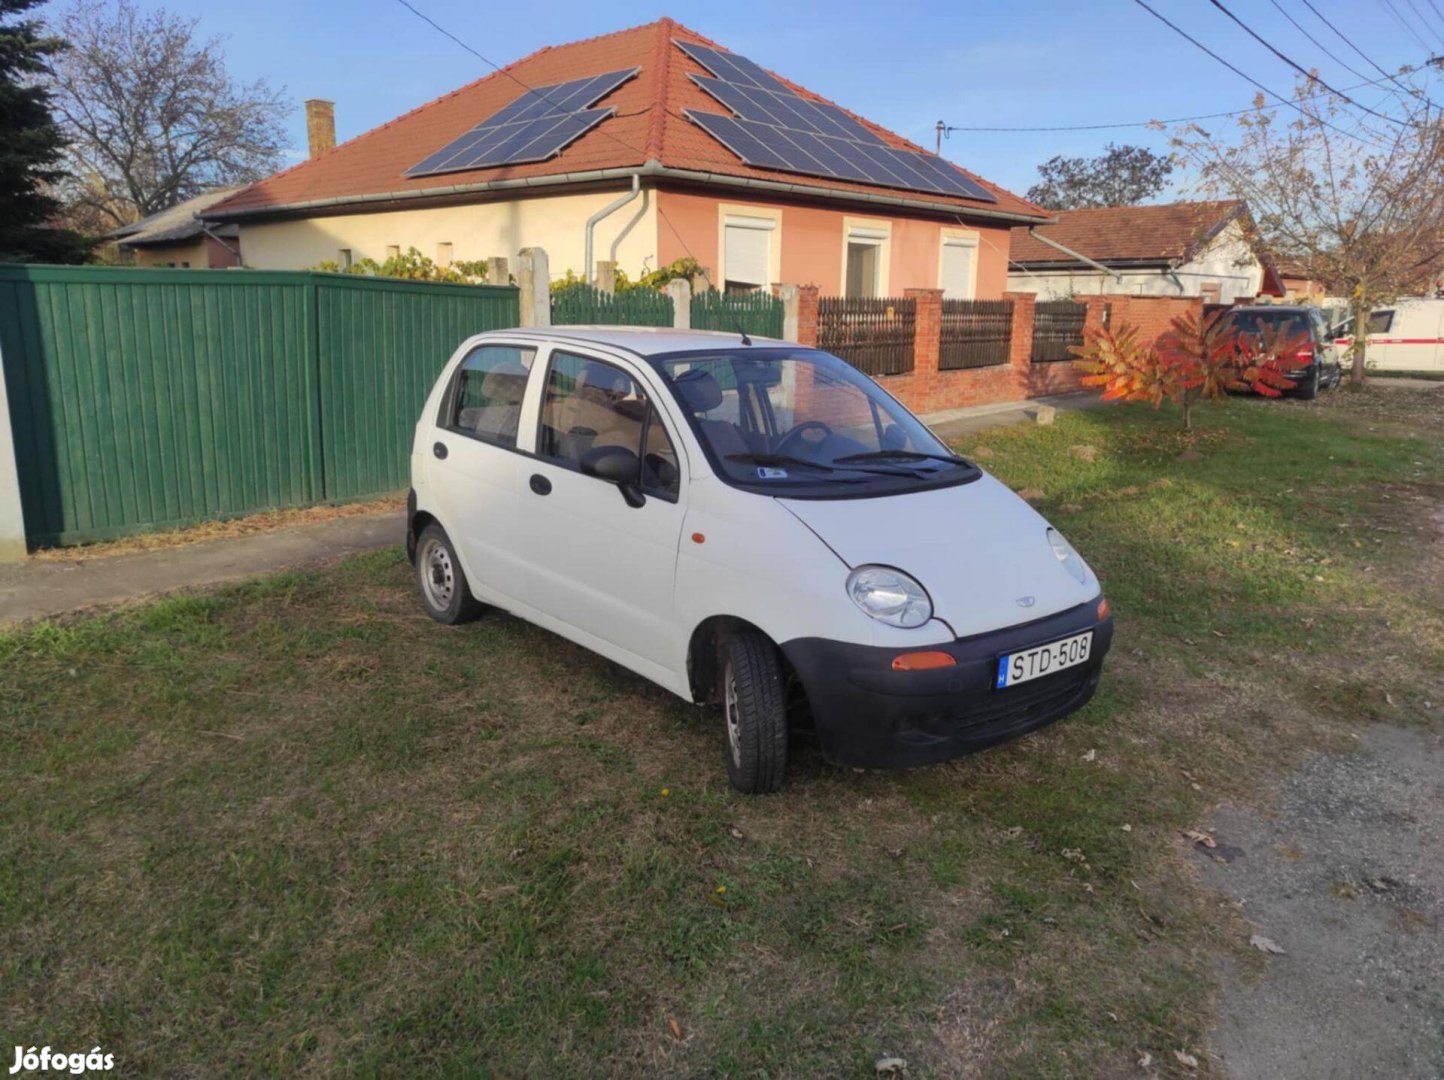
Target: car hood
(981,552)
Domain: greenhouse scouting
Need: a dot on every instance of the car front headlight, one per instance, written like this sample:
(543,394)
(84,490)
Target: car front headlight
(889,596)
(1071,560)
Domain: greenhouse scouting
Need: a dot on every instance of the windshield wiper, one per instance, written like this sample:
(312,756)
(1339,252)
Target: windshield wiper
(780,460)
(902,455)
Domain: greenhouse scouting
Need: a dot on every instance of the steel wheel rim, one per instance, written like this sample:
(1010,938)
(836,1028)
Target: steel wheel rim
(729,708)
(438,578)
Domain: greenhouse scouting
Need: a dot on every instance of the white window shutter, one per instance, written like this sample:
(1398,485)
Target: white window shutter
(957,271)
(747,256)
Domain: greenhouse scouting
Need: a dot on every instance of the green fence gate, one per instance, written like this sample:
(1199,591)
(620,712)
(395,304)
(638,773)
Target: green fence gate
(146,399)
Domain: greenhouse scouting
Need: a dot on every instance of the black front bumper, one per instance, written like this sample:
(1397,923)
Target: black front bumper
(871,716)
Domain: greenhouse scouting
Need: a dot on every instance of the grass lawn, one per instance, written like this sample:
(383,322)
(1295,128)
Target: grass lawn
(295,826)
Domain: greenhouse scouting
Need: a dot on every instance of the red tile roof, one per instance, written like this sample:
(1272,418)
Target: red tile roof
(1127,233)
(649,125)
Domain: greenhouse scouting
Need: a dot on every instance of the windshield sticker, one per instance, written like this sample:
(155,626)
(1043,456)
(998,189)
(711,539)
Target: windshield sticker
(765,473)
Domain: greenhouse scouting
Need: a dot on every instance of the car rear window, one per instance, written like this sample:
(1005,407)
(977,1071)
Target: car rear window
(1283,322)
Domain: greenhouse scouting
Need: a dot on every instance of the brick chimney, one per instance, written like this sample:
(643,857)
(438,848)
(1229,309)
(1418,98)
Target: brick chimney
(320,125)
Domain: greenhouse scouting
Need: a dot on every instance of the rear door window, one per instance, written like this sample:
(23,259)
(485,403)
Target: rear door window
(486,395)
(1381,322)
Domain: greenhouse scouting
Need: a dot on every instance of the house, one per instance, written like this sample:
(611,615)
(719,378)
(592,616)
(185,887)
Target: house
(639,148)
(177,237)
(1189,249)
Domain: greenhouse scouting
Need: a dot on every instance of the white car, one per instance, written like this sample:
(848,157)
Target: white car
(751,523)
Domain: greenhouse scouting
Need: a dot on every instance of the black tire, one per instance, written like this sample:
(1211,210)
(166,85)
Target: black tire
(1310,387)
(445,594)
(754,712)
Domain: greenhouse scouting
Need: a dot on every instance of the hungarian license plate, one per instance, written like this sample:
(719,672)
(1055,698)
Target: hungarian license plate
(1034,663)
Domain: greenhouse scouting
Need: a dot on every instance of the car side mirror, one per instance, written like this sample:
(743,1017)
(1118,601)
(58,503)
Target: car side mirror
(616,465)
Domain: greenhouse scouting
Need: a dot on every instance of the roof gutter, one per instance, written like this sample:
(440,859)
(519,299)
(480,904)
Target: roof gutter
(652,169)
(606,211)
(1033,232)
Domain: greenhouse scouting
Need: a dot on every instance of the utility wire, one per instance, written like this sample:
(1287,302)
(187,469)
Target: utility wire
(1404,24)
(1302,70)
(1367,59)
(1424,21)
(1249,78)
(1317,43)
(1138,123)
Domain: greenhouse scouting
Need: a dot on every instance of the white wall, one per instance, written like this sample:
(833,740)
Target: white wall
(1227,262)
(475,231)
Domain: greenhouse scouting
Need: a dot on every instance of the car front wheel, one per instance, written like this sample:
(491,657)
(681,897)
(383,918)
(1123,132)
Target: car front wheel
(444,592)
(754,707)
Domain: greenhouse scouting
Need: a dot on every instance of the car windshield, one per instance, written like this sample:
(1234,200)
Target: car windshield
(805,424)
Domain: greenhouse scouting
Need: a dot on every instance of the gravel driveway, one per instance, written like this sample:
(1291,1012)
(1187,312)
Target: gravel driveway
(1347,876)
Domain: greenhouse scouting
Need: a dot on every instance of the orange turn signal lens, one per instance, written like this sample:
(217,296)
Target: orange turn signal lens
(1104,607)
(922,661)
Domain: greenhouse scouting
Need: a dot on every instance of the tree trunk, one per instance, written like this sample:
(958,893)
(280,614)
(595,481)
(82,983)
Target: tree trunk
(1357,346)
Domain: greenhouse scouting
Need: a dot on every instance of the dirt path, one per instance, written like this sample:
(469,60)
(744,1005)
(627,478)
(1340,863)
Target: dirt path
(1347,876)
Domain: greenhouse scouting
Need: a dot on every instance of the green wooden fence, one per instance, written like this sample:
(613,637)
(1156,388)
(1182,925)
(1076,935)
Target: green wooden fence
(581,304)
(146,399)
(756,312)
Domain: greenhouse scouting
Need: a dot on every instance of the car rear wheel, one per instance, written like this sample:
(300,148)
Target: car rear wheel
(754,708)
(1309,388)
(444,592)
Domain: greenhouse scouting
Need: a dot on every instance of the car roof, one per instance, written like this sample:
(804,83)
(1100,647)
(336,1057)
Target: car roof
(1291,309)
(642,340)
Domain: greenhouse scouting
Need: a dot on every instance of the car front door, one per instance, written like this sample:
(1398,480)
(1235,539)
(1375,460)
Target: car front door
(597,561)
(476,468)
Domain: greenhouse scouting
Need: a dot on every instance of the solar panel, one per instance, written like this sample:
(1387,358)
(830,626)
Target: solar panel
(774,128)
(534,127)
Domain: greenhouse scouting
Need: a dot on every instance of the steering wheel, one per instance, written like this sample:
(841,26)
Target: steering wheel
(796,435)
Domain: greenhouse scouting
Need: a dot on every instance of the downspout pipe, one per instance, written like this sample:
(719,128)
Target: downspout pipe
(207,230)
(1033,232)
(606,211)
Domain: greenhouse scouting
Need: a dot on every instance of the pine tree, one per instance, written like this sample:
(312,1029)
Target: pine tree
(30,145)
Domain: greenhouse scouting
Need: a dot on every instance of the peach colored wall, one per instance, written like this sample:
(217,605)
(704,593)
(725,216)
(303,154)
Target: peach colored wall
(812,242)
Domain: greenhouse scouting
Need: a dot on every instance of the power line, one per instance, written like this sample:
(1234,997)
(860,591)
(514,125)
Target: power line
(1319,44)
(1249,78)
(1350,43)
(1299,68)
(1404,24)
(1424,22)
(1135,123)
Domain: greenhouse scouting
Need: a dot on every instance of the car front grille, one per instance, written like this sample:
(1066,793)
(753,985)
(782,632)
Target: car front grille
(1016,707)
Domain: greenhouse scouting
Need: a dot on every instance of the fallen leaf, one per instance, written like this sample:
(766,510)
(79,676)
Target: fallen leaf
(1185,1059)
(1200,837)
(1128,828)
(1263,944)
(1091,755)
(1145,1059)
(737,834)
(676,1028)
(890,1066)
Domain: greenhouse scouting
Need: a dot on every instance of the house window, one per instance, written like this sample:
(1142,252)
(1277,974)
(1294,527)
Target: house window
(746,252)
(393,251)
(865,254)
(957,274)
(443,254)
(343,256)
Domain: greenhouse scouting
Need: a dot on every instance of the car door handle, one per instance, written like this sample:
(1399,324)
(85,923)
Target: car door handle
(540,484)
(439,449)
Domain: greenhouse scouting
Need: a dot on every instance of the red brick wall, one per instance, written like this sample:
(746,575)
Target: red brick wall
(1152,315)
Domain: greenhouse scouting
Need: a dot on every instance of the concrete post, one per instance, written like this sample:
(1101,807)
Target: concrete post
(497,271)
(12,517)
(680,290)
(788,295)
(606,276)
(534,279)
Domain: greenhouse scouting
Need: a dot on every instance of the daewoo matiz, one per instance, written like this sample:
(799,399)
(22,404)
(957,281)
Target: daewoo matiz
(754,524)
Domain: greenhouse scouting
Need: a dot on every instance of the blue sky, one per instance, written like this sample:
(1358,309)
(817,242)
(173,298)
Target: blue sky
(902,64)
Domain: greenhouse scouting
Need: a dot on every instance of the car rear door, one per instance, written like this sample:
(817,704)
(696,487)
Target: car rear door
(476,465)
(591,560)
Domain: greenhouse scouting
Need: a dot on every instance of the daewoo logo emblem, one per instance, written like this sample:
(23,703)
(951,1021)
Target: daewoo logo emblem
(1024,601)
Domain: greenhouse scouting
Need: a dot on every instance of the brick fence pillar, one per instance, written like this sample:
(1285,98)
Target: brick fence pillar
(1097,310)
(927,333)
(800,324)
(1020,351)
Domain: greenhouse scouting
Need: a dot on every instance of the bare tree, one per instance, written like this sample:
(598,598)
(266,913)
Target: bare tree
(1355,198)
(152,115)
